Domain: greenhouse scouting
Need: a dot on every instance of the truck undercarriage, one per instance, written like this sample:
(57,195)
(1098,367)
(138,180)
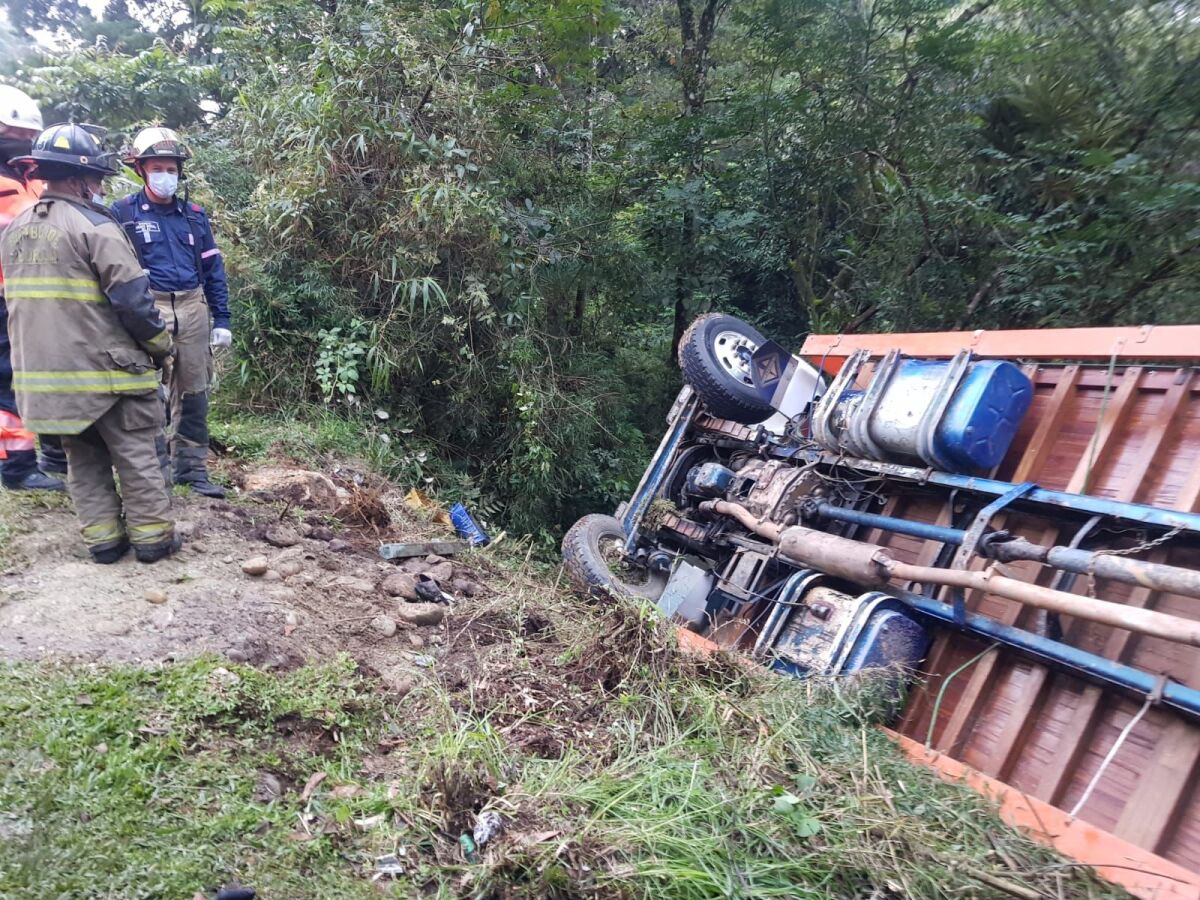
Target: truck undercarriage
(964,514)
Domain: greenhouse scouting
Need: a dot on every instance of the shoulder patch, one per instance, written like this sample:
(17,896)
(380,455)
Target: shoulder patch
(197,208)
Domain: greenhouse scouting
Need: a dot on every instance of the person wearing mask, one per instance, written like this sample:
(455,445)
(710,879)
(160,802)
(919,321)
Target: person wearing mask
(87,346)
(20,468)
(175,243)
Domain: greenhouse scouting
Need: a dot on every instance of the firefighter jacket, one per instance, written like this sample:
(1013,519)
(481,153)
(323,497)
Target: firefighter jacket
(84,329)
(16,194)
(176,245)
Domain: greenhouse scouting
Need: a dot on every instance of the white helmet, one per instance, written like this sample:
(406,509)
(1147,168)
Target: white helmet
(18,109)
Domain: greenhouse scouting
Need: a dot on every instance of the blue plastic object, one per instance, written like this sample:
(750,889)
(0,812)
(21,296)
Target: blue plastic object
(466,526)
(957,415)
(984,415)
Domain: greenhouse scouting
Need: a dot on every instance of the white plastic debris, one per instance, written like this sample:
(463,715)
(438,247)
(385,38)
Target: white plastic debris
(488,824)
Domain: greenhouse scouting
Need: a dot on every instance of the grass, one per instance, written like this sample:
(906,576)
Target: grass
(621,768)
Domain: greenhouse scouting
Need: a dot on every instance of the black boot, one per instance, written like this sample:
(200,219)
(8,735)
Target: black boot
(152,553)
(191,469)
(110,555)
(36,481)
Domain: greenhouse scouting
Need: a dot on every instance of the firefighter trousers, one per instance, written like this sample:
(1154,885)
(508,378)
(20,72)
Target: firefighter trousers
(187,319)
(122,439)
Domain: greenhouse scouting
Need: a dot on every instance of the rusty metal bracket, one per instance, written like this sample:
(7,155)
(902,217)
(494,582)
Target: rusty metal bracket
(971,539)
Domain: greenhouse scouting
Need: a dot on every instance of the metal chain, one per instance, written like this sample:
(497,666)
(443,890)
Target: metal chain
(1128,551)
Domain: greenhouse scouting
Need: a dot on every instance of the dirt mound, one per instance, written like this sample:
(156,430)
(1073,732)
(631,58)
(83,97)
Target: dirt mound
(316,590)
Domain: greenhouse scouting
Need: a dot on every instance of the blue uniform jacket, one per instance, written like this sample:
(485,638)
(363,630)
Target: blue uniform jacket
(175,244)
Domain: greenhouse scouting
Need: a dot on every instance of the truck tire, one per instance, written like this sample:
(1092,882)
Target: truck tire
(714,356)
(591,553)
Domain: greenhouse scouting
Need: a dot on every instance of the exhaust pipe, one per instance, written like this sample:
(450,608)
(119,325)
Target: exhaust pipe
(872,565)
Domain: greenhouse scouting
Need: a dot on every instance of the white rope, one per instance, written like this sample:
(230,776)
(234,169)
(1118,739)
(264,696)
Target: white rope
(1109,758)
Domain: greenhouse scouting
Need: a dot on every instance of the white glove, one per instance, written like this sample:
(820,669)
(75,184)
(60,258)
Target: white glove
(221,337)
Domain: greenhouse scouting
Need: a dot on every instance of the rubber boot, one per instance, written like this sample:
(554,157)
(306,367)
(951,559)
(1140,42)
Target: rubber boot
(191,468)
(152,553)
(110,555)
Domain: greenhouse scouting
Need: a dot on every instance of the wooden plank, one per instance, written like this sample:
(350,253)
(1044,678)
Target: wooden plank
(1054,778)
(987,669)
(1143,874)
(1094,457)
(1042,442)
(1092,461)
(1152,810)
(937,656)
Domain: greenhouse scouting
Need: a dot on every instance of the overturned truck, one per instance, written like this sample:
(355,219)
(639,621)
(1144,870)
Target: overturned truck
(1009,518)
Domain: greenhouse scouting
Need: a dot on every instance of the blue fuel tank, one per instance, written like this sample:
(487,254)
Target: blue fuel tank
(956,415)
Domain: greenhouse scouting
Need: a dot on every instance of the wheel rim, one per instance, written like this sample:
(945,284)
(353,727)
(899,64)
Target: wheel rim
(733,351)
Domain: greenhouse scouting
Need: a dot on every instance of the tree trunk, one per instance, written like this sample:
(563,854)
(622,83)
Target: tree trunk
(693,75)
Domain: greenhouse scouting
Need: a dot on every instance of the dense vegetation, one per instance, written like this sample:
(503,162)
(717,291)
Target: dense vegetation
(474,230)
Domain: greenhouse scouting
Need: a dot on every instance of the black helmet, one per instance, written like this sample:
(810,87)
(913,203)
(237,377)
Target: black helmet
(62,151)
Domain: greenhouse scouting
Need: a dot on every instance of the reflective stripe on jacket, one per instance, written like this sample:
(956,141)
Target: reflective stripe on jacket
(83,327)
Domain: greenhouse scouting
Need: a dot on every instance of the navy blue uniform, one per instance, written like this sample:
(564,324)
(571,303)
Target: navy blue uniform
(175,244)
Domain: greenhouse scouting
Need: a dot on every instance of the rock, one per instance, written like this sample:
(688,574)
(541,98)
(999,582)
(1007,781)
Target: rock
(304,578)
(155,596)
(322,533)
(398,681)
(415,566)
(434,560)
(292,618)
(443,572)
(255,565)
(354,585)
(272,575)
(283,595)
(337,545)
(305,530)
(288,567)
(384,625)
(237,655)
(416,640)
(289,553)
(198,547)
(424,662)
(400,584)
(268,788)
(186,530)
(224,678)
(280,535)
(229,559)
(465,587)
(421,613)
(161,619)
(329,565)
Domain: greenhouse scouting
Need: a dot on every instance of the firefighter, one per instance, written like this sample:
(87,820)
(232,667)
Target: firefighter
(87,343)
(187,280)
(20,123)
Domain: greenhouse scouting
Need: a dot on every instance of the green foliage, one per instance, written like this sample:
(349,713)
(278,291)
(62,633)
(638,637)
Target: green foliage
(510,202)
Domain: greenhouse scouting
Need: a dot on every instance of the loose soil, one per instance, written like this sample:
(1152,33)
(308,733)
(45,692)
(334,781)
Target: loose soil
(318,599)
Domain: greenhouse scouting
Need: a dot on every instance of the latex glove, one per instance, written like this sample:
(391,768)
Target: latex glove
(221,338)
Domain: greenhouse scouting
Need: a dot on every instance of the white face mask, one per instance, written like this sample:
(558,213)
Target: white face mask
(163,184)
